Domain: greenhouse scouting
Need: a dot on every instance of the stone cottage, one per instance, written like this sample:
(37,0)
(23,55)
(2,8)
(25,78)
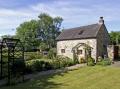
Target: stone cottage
(76,40)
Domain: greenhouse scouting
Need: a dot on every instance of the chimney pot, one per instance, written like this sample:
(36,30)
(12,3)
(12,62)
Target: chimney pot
(101,21)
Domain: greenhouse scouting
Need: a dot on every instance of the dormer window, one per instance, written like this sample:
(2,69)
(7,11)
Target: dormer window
(80,32)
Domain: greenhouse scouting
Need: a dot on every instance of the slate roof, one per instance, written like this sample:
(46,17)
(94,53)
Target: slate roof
(83,32)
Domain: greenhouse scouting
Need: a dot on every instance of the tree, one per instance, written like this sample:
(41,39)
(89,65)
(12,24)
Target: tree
(115,37)
(26,32)
(49,28)
(7,36)
(42,31)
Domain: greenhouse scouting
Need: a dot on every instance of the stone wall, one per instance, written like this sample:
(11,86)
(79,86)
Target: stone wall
(103,41)
(110,49)
(69,44)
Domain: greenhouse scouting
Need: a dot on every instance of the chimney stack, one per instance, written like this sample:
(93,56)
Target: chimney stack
(101,21)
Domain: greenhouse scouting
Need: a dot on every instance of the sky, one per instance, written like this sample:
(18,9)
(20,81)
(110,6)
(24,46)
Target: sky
(74,12)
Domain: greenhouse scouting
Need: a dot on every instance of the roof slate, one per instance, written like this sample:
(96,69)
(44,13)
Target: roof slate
(83,32)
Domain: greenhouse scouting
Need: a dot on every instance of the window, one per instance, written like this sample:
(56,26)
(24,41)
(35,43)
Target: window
(79,52)
(62,50)
(80,33)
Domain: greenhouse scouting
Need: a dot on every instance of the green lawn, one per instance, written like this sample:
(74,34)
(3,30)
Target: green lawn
(96,77)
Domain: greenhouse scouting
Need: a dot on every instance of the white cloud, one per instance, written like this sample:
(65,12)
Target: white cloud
(9,12)
(10,19)
(74,12)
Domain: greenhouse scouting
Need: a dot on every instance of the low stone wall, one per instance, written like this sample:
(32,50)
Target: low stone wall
(110,50)
(113,52)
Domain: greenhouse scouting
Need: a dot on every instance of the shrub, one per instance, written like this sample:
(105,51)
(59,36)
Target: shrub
(38,65)
(32,55)
(18,66)
(91,61)
(28,68)
(56,64)
(75,58)
(38,56)
(82,60)
(52,53)
(47,64)
(104,62)
(62,61)
(68,61)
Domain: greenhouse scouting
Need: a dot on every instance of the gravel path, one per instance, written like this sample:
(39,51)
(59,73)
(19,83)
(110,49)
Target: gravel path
(116,64)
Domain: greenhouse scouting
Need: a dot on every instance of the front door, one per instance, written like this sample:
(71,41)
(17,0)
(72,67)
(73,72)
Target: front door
(116,52)
(81,55)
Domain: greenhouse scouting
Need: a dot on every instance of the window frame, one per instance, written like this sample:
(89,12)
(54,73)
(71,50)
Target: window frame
(62,50)
(79,52)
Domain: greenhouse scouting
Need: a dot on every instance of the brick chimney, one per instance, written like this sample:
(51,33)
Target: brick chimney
(101,21)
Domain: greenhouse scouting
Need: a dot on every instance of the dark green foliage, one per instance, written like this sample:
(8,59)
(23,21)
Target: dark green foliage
(104,62)
(52,53)
(62,61)
(91,61)
(115,37)
(75,58)
(56,64)
(43,46)
(32,55)
(49,28)
(38,65)
(18,66)
(41,33)
(26,32)
(28,69)
(47,64)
